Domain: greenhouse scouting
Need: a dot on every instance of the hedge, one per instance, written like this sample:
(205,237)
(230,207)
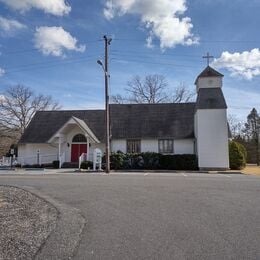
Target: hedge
(152,161)
(237,156)
(179,162)
(56,164)
(86,165)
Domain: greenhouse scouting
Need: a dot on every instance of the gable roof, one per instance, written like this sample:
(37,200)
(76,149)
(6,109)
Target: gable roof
(208,72)
(46,123)
(210,98)
(81,124)
(127,121)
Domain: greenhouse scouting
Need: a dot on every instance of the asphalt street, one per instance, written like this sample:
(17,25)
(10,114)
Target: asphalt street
(158,216)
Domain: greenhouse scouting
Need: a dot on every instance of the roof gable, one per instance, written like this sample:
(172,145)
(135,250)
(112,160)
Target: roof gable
(81,124)
(209,72)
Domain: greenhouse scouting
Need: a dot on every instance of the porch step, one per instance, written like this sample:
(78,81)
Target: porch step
(70,165)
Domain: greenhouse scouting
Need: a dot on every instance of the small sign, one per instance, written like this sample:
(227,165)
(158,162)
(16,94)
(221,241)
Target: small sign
(97,160)
(12,151)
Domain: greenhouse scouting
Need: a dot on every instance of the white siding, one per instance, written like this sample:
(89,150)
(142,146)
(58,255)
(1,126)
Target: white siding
(212,138)
(209,82)
(181,146)
(49,153)
(27,153)
(118,145)
(184,146)
(149,145)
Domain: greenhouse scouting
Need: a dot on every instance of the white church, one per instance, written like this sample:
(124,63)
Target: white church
(199,128)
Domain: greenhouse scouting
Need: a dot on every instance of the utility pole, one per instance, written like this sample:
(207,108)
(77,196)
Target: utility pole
(107,114)
(107,76)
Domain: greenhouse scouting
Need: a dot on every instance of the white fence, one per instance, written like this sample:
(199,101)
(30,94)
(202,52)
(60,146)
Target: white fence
(5,161)
(40,159)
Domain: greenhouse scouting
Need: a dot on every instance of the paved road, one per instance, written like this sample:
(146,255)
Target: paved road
(168,216)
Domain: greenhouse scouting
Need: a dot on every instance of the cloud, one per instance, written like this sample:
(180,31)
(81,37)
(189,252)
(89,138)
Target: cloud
(55,7)
(9,26)
(54,40)
(161,17)
(2,72)
(245,64)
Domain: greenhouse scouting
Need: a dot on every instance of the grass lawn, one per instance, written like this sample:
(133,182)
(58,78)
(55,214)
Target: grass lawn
(252,170)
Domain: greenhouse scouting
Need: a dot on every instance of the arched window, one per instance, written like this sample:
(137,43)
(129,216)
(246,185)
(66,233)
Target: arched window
(79,138)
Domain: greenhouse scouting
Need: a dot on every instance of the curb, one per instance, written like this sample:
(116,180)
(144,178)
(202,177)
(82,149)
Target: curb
(64,239)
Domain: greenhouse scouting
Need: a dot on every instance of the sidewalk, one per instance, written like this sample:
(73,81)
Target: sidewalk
(75,171)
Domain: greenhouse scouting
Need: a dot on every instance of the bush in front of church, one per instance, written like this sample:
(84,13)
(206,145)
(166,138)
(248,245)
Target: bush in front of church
(237,156)
(179,162)
(86,165)
(153,161)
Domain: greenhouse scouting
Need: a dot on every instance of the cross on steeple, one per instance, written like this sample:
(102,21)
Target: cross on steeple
(208,57)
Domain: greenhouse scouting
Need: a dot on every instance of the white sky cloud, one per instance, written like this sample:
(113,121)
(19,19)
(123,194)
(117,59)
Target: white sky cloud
(245,64)
(10,25)
(55,7)
(2,72)
(161,17)
(55,40)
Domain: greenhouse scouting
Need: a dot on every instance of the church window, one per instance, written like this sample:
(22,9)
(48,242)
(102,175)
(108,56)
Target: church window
(166,146)
(79,138)
(133,146)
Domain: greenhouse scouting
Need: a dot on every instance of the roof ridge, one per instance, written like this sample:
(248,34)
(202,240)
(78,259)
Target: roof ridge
(70,110)
(153,104)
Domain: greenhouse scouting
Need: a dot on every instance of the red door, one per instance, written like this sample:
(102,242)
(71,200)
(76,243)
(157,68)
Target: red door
(77,150)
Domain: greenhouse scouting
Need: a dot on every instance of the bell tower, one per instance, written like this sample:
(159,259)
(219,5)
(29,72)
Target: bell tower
(210,122)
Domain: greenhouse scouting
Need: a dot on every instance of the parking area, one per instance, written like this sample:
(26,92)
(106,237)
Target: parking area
(144,215)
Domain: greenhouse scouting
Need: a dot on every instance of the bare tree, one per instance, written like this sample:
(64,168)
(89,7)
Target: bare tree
(119,99)
(182,94)
(153,89)
(17,107)
(235,126)
(150,90)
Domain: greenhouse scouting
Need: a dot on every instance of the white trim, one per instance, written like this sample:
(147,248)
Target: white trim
(81,124)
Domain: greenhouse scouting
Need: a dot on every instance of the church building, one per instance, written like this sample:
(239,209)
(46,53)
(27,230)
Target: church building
(199,128)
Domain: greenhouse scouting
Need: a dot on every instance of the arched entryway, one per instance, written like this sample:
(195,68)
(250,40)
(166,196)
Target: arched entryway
(78,147)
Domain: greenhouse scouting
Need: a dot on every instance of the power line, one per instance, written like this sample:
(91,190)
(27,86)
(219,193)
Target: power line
(153,56)
(161,54)
(156,57)
(46,66)
(49,62)
(201,41)
(155,63)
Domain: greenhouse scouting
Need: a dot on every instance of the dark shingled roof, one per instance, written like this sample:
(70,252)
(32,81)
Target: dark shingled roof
(127,121)
(46,123)
(210,98)
(209,72)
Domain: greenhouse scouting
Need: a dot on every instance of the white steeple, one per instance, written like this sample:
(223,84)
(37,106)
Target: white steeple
(209,78)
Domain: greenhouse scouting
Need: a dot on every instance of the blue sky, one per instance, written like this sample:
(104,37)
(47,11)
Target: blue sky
(52,46)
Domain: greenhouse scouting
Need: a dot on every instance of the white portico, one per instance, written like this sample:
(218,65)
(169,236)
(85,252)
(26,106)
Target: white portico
(73,139)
